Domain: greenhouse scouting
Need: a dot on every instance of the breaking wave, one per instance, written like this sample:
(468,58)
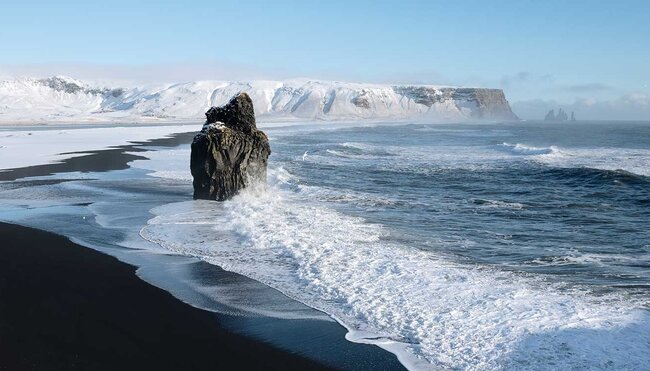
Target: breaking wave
(359,150)
(415,303)
(635,161)
(523,150)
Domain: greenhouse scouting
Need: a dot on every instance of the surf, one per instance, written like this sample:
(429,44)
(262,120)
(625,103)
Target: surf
(417,303)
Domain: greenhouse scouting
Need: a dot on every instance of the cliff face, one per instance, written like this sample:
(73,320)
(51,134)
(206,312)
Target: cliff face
(65,99)
(492,104)
(479,103)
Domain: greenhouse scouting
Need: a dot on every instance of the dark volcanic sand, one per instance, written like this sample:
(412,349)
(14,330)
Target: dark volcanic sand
(101,160)
(64,306)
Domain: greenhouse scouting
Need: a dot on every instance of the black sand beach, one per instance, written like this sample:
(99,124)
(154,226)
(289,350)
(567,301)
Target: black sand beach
(64,306)
(115,158)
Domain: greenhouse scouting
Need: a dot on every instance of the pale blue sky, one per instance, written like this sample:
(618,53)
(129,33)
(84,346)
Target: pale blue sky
(561,52)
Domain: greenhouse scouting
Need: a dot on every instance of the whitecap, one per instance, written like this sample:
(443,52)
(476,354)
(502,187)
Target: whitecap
(524,150)
(414,303)
(497,204)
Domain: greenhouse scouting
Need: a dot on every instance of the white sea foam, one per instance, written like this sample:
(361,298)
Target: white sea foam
(575,257)
(636,161)
(497,204)
(347,196)
(370,149)
(412,159)
(361,146)
(430,159)
(520,149)
(336,153)
(414,303)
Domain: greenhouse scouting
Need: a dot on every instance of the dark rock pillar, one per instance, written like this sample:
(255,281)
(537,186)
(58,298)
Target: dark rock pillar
(229,153)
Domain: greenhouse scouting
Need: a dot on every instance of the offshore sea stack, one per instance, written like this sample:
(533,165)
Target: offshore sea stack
(229,153)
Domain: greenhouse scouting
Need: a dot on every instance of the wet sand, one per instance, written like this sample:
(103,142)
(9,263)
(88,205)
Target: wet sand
(64,306)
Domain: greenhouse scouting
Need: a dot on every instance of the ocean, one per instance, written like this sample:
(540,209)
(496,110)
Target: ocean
(520,245)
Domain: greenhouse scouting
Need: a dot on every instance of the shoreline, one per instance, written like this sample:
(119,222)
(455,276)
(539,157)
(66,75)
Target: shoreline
(305,343)
(99,160)
(65,305)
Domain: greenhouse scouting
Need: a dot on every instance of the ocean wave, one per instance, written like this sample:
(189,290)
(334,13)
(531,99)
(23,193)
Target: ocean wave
(591,259)
(633,161)
(359,150)
(413,302)
(368,148)
(347,196)
(524,150)
(337,153)
(278,176)
(620,161)
(496,204)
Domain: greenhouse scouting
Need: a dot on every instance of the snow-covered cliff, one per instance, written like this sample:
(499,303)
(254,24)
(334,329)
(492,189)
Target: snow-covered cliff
(62,99)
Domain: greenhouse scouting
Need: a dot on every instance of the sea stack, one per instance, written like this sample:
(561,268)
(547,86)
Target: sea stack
(550,116)
(229,153)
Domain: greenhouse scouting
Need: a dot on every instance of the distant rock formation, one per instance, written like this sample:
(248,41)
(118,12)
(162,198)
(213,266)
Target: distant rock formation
(573,116)
(561,116)
(229,153)
(550,116)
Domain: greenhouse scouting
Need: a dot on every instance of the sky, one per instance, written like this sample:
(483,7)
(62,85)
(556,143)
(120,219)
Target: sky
(592,57)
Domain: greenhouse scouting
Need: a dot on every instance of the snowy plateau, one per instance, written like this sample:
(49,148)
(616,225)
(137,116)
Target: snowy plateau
(67,100)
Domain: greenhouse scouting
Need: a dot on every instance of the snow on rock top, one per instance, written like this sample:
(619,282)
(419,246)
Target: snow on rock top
(63,99)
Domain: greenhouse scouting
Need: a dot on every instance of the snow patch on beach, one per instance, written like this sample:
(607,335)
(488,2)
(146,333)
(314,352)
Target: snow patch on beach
(21,148)
(168,164)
